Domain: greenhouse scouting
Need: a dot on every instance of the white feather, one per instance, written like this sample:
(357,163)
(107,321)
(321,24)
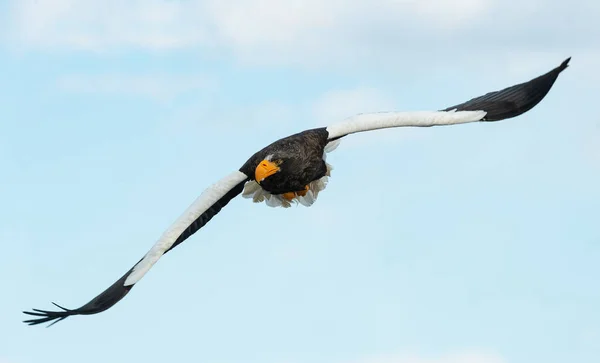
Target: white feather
(332,145)
(251,190)
(204,201)
(308,199)
(380,120)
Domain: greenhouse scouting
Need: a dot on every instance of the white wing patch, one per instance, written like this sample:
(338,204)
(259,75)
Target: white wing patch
(208,197)
(332,145)
(380,120)
(253,190)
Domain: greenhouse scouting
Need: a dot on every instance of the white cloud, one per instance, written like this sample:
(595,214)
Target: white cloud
(102,25)
(337,105)
(305,31)
(265,121)
(161,87)
(457,357)
(242,25)
(299,30)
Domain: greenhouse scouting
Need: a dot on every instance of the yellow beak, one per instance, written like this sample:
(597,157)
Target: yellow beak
(265,169)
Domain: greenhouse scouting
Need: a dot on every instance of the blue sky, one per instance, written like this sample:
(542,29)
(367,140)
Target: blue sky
(475,243)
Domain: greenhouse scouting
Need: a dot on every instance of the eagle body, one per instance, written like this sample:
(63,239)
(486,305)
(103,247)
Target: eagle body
(303,163)
(294,169)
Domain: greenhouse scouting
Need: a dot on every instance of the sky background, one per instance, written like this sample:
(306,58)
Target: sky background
(475,243)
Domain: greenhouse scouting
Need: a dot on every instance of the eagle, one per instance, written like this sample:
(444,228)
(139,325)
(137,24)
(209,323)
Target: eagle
(294,170)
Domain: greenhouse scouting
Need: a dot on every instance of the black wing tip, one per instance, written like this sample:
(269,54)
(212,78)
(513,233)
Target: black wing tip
(100,303)
(514,100)
(46,316)
(564,64)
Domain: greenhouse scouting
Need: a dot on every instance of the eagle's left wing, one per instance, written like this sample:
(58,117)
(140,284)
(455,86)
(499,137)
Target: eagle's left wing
(208,204)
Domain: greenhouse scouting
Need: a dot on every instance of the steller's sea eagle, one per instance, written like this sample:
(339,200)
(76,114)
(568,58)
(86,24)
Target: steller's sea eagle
(293,169)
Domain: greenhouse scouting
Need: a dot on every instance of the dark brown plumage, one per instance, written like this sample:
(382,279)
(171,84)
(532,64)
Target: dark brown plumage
(302,161)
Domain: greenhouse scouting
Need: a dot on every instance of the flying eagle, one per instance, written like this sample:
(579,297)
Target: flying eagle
(294,170)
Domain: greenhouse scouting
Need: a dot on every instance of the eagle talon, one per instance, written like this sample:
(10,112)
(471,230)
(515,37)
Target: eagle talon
(289,196)
(303,192)
(292,195)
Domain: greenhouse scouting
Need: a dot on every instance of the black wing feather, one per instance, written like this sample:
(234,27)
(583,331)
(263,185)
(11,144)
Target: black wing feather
(210,212)
(515,100)
(117,291)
